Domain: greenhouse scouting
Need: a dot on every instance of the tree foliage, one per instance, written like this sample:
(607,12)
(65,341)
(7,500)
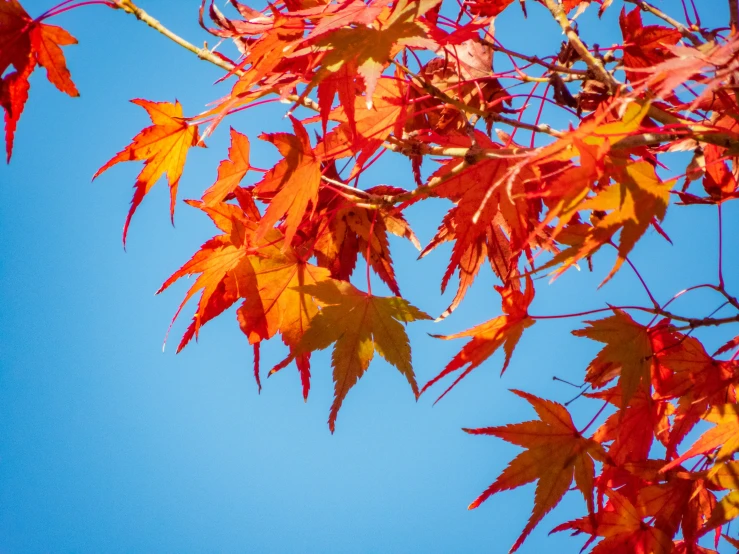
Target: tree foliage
(416,79)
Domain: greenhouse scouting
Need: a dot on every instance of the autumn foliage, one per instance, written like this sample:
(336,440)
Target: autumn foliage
(366,79)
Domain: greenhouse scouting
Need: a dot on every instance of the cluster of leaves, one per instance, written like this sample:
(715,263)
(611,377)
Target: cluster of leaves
(416,78)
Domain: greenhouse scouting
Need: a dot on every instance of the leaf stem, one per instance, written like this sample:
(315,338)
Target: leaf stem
(641,279)
(595,417)
(61,8)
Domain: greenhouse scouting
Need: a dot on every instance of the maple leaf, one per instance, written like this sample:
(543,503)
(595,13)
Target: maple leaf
(224,271)
(644,47)
(623,528)
(628,353)
(724,436)
(568,191)
(291,185)
(633,429)
(162,147)
(726,510)
(13,96)
(688,63)
(370,48)
(24,42)
(684,370)
(231,171)
(362,130)
(280,304)
(504,330)
(359,324)
(348,230)
(719,182)
(631,205)
(488,8)
(556,452)
(682,501)
(15,40)
(492,217)
(463,72)
(728,346)
(45,42)
(238,265)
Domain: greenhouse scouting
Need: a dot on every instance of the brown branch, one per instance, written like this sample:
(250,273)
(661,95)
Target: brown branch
(471,155)
(203,53)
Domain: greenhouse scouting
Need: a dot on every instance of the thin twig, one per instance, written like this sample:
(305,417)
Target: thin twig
(535,60)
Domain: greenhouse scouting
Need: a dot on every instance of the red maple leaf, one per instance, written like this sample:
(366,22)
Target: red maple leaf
(25,42)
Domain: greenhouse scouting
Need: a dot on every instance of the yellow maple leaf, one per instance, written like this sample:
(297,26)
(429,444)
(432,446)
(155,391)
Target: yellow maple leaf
(359,324)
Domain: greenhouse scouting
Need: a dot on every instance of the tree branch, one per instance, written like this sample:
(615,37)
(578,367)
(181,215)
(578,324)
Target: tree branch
(595,65)
(202,53)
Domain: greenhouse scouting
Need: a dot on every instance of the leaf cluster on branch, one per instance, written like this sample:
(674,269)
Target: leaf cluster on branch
(368,79)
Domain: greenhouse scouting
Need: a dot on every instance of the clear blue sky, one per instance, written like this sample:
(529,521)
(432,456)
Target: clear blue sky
(109,445)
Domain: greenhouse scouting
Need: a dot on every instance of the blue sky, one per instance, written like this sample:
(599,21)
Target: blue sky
(109,445)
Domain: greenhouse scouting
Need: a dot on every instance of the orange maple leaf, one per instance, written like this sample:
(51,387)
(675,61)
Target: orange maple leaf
(266,276)
(628,353)
(291,185)
(230,171)
(224,271)
(631,205)
(556,452)
(683,501)
(163,148)
(359,324)
(278,302)
(370,48)
(45,42)
(504,330)
(623,528)
(726,510)
(363,129)
(724,436)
